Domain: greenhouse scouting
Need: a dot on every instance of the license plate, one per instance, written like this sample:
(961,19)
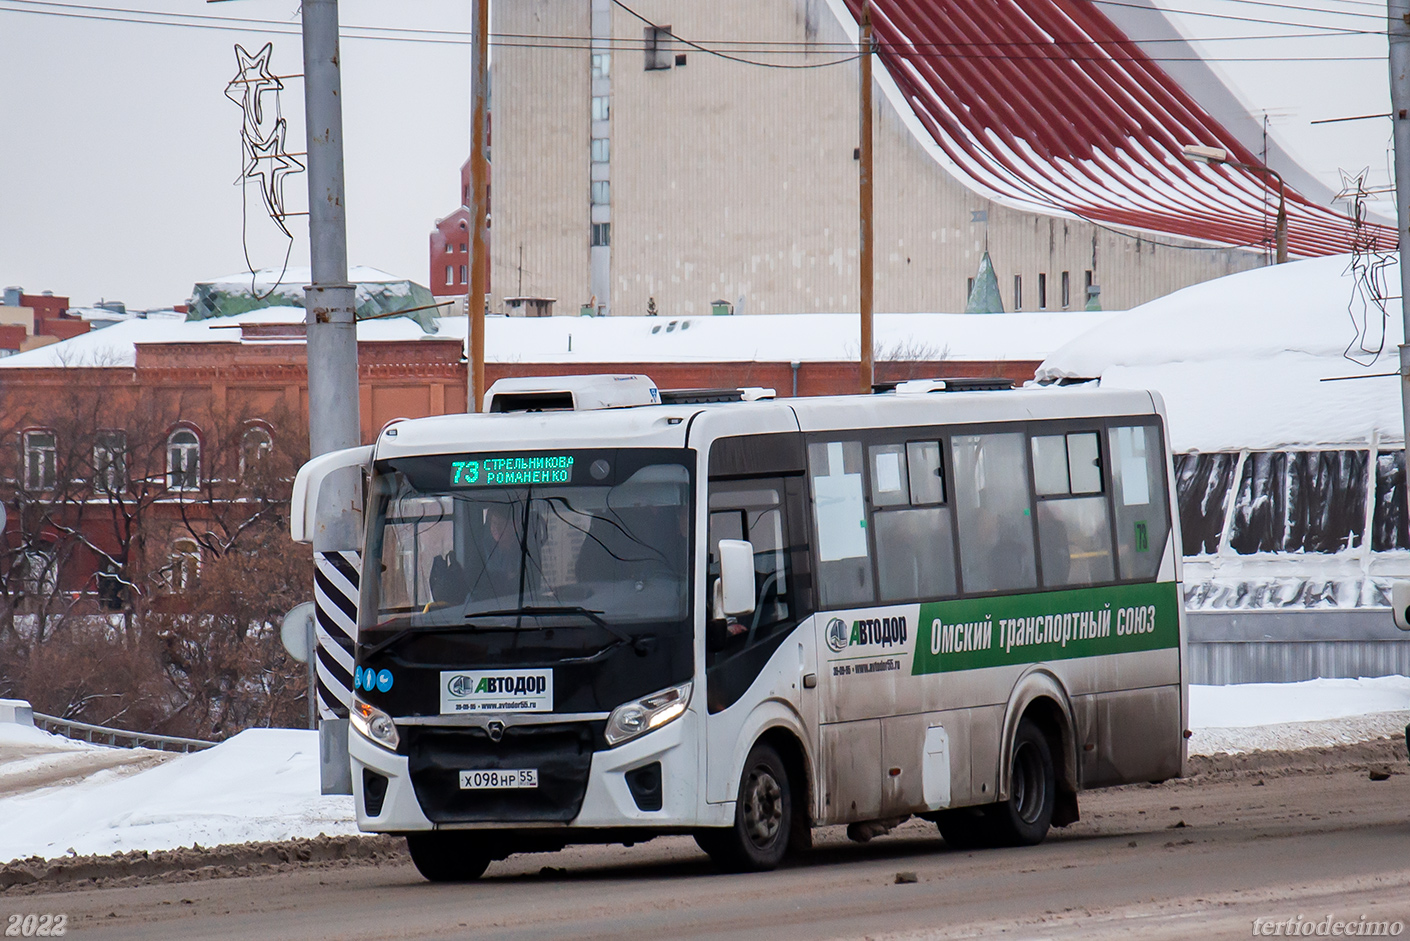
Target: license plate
(478,780)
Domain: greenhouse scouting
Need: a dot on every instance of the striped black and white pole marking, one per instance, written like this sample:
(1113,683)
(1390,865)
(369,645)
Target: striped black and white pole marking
(336,577)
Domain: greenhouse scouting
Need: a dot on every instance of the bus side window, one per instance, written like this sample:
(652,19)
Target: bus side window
(1142,507)
(915,548)
(1074,530)
(839,506)
(994,512)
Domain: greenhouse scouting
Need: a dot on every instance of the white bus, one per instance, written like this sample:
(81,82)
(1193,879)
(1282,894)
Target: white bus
(600,613)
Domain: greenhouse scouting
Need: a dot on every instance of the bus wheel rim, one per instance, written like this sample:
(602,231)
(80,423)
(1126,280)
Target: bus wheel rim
(1027,787)
(763,807)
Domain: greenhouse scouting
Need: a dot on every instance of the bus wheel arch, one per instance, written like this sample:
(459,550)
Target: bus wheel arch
(789,746)
(1040,697)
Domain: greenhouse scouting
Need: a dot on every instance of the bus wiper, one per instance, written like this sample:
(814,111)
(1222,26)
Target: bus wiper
(643,644)
(549,610)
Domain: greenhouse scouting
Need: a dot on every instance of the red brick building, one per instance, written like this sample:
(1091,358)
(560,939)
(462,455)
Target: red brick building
(450,246)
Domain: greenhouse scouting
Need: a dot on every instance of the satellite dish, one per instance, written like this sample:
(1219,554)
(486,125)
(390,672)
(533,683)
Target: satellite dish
(297,631)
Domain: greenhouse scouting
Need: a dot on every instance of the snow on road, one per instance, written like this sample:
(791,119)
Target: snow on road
(263,783)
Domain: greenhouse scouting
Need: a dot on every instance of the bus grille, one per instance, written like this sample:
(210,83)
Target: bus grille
(562,754)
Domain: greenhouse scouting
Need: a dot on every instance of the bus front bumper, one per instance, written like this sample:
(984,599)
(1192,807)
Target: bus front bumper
(608,801)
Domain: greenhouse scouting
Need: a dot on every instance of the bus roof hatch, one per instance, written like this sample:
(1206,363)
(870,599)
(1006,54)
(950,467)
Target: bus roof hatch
(570,393)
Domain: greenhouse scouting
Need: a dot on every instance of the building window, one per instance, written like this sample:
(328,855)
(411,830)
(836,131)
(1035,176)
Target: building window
(1066,290)
(450,274)
(185,565)
(601,149)
(464,271)
(40,460)
(255,446)
(1042,292)
(601,234)
(601,193)
(183,460)
(110,462)
(462,247)
(658,48)
(1018,292)
(601,108)
(601,64)
(449,248)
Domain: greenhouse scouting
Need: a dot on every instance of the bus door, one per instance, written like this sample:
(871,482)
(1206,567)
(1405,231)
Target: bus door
(758,657)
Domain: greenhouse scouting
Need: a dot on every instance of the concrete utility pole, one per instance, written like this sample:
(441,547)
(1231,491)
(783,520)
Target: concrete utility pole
(333,415)
(1399,31)
(868,370)
(479,205)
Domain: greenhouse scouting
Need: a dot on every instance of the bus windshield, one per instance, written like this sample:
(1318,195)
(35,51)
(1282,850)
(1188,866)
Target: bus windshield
(603,535)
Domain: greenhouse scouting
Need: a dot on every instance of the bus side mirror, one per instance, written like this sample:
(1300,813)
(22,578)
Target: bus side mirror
(327,499)
(1400,604)
(736,577)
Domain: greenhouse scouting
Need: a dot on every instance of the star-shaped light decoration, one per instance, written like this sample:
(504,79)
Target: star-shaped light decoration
(268,160)
(248,88)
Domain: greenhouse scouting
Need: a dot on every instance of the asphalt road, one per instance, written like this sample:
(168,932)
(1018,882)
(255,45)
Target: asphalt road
(1312,843)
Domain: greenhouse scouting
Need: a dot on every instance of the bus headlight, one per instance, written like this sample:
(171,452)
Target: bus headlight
(374,724)
(631,719)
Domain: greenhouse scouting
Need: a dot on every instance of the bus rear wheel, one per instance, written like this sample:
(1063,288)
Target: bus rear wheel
(763,818)
(448,857)
(1024,819)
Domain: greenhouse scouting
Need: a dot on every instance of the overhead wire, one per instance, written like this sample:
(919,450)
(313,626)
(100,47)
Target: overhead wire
(461,37)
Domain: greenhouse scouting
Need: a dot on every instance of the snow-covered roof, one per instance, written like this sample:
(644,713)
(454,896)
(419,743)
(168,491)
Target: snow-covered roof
(1240,360)
(117,345)
(808,338)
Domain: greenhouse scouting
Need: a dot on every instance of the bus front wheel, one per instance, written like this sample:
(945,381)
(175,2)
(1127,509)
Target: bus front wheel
(447,857)
(1024,819)
(763,818)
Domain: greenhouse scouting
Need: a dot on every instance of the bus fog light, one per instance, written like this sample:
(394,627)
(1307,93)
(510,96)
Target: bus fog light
(374,724)
(631,719)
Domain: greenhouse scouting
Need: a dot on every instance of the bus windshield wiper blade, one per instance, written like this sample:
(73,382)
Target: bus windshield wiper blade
(550,610)
(406,632)
(532,611)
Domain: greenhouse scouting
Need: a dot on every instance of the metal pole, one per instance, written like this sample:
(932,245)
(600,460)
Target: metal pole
(479,178)
(867,371)
(333,418)
(333,412)
(311,663)
(1281,231)
(1398,16)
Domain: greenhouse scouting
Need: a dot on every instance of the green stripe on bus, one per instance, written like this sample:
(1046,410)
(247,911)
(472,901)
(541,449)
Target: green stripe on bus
(1051,625)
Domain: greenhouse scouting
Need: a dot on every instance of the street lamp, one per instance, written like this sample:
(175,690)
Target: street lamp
(1218,155)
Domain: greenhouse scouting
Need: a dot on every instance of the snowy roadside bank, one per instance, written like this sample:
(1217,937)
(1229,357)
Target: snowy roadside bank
(262,785)
(1292,716)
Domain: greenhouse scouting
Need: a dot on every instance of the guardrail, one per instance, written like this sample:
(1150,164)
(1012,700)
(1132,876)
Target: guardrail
(120,738)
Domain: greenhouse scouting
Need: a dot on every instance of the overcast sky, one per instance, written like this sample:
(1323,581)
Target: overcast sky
(118,148)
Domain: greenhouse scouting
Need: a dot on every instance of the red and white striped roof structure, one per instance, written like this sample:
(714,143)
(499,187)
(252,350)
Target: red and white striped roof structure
(1046,105)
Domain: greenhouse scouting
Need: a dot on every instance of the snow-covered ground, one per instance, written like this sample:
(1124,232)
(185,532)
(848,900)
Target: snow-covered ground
(1312,714)
(263,783)
(260,785)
